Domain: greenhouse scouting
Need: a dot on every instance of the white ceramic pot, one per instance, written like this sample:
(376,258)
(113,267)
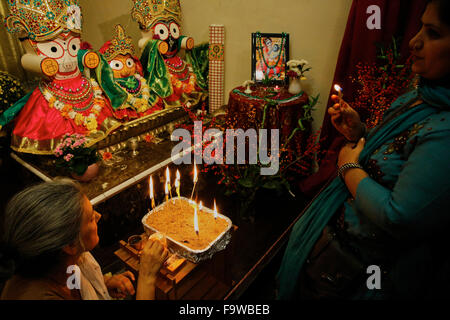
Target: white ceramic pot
(295,86)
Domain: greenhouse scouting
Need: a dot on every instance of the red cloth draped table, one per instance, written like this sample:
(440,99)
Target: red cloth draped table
(246,110)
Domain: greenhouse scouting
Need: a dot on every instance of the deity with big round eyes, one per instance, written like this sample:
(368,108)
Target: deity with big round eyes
(66,102)
(126,71)
(170,77)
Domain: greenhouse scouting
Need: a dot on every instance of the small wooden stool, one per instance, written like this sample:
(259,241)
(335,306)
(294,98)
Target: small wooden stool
(182,279)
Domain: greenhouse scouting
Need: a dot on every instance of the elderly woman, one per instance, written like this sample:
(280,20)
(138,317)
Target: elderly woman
(376,231)
(48,229)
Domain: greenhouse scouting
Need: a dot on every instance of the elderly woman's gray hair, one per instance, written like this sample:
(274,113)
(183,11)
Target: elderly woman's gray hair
(37,224)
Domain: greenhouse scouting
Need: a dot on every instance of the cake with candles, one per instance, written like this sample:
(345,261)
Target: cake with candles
(176,219)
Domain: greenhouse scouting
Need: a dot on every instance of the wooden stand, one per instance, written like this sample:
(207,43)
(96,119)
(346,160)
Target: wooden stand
(207,280)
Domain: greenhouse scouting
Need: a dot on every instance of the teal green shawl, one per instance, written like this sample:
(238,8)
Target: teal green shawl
(308,229)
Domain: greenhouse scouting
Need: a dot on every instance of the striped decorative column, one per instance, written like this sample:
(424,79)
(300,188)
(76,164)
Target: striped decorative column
(216,67)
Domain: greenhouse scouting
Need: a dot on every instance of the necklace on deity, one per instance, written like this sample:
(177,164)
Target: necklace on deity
(177,66)
(67,108)
(140,86)
(130,84)
(74,96)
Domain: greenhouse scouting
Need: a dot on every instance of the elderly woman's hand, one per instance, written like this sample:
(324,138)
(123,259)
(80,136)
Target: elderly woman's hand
(346,120)
(120,285)
(350,152)
(152,257)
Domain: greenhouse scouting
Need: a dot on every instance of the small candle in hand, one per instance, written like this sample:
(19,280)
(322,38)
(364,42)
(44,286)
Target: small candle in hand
(339,90)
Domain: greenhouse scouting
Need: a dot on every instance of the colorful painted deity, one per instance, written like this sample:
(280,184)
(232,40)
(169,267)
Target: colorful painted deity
(66,101)
(127,72)
(171,77)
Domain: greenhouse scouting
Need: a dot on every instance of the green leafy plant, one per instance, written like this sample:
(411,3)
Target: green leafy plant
(73,155)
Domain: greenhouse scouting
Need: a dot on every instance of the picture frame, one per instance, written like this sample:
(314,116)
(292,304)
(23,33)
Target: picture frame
(270,53)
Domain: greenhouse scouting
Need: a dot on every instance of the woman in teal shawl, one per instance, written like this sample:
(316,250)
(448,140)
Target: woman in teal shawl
(391,205)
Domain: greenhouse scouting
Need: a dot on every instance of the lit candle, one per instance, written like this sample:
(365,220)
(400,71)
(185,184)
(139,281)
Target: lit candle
(196,220)
(177,183)
(166,190)
(168,181)
(215,209)
(151,193)
(277,88)
(339,90)
(195,179)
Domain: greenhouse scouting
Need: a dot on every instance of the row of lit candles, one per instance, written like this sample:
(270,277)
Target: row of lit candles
(168,192)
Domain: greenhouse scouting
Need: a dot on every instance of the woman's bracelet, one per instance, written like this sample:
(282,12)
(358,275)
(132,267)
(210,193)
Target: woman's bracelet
(346,166)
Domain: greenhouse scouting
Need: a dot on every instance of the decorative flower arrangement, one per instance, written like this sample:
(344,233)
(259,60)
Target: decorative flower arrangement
(297,69)
(73,154)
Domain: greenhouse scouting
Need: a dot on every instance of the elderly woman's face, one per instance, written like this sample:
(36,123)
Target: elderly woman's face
(431,46)
(89,234)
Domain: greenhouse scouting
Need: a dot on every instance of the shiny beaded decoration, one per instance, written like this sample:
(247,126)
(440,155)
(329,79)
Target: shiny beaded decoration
(76,96)
(41,20)
(68,111)
(148,12)
(133,102)
(177,66)
(120,44)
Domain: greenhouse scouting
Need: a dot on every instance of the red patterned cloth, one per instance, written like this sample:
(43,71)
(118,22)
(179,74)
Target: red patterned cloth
(247,109)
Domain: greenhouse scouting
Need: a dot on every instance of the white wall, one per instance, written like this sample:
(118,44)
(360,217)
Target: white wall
(316,28)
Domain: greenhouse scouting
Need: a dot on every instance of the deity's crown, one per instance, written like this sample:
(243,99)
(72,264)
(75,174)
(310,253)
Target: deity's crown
(42,20)
(120,44)
(148,12)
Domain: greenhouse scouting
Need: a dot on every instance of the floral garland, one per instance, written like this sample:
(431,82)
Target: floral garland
(69,112)
(138,104)
(187,88)
(260,49)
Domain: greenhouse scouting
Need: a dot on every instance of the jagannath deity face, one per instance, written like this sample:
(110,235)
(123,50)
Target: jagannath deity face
(123,66)
(61,54)
(170,33)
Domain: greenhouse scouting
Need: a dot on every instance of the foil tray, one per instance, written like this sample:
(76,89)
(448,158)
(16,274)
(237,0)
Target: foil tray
(195,256)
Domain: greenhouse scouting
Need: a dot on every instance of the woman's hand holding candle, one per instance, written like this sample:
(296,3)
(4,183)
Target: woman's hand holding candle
(346,120)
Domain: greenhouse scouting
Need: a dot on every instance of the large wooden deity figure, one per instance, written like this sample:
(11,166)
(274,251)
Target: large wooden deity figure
(169,76)
(126,71)
(65,102)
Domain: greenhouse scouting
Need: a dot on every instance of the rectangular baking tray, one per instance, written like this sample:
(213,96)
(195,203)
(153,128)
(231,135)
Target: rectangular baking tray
(195,256)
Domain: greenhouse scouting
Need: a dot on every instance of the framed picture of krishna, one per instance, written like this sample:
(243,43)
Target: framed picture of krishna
(270,52)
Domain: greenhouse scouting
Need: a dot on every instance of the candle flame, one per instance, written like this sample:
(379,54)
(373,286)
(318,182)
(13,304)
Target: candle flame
(337,88)
(178,175)
(166,188)
(167,174)
(215,209)
(151,187)
(195,172)
(200,207)
(196,220)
